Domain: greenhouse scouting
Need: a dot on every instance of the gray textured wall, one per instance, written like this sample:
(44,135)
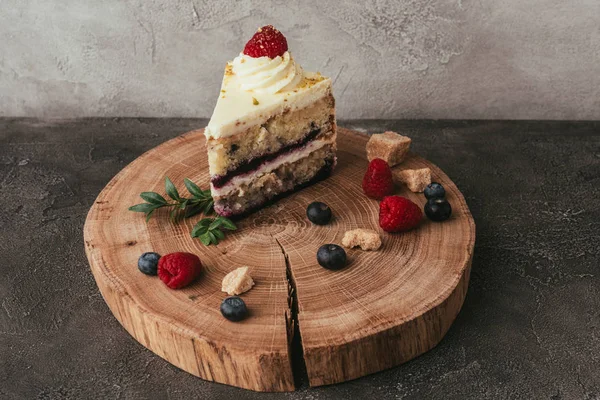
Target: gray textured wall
(534,59)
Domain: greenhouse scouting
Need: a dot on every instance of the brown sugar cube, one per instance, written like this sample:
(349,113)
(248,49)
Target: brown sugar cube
(237,282)
(415,179)
(367,239)
(389,146)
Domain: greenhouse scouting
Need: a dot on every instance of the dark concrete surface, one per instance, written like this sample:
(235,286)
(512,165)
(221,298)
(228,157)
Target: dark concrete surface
(530,326)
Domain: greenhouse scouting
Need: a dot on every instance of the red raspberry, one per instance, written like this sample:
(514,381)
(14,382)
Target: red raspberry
(378,182)
(398,214)
(178,270)
(267,41)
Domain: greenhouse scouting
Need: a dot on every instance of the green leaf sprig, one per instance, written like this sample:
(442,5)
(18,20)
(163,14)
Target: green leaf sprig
(200,202)
(208,230)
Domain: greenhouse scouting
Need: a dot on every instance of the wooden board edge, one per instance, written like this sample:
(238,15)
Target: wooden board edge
(190,352)
(430,328)
(386,341)
(217,364)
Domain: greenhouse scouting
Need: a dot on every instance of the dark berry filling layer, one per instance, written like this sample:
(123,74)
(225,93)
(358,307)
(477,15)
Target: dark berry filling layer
(322,174)
(254,163)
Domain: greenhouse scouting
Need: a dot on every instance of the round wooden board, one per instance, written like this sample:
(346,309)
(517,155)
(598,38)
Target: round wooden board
(383,309)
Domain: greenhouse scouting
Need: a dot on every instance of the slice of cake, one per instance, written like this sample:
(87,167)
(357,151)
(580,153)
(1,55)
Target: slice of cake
(273,129)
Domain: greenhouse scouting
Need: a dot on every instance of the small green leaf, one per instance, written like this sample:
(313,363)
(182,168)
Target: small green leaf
(153,198)
(171,189)
(215,224)
(227,224)
(144,207)
(208,209)
(174,214)
(213,238)
(201,227)
(199,231)
(149,214)
(193,210)
(220,235)
(183,204)
(205,239)
(193,188)
(205,222)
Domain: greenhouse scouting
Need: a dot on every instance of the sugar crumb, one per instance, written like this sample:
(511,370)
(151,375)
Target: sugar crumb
(366,239)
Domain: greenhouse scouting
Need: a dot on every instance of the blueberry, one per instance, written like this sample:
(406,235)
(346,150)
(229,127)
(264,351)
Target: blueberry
(148,263)
(438,209)
(318,213)
(434,190)
(331,256)
(234,309)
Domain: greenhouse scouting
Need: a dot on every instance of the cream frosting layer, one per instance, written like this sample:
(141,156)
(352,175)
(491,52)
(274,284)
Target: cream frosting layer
(267,75)
(292,157)
(238,109)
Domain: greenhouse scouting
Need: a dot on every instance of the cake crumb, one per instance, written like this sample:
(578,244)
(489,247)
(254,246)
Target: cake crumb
(389,146)
(237,282)
(366,239)
(415,179)
(254,101)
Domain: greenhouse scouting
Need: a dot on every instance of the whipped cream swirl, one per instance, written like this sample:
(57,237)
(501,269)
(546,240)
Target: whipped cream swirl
(267,75)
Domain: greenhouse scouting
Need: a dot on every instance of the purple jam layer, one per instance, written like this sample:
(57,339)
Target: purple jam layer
(325,171)
(254,163)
